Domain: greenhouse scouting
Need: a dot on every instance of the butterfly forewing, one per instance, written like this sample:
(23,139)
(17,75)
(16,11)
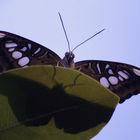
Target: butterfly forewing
(122,79)
(16,51)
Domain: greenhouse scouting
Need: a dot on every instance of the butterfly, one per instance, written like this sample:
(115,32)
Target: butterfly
(17,52)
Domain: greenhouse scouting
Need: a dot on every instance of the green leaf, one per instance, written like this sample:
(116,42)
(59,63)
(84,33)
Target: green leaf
(46,102)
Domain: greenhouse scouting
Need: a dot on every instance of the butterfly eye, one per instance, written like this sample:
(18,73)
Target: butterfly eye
(67,54)
(72,55)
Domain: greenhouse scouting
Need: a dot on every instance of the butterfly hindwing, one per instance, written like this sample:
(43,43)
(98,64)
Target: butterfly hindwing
(16,51)
(122,79)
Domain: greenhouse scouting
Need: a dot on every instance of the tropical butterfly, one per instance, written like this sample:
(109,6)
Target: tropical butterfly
(16,52)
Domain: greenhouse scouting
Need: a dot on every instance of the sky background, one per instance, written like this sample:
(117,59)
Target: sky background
(39,21)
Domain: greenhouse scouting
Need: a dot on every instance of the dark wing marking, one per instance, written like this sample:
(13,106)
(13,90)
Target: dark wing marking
(16,51)
(122,79)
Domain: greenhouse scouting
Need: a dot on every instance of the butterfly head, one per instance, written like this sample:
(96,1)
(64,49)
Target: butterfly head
(69,55)
(69,59)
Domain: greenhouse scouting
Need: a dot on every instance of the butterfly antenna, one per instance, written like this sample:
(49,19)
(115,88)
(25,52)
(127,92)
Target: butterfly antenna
(88,39)
(64,31)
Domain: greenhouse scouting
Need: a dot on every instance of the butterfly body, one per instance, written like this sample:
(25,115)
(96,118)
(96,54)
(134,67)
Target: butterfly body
(68,60)
(16,52)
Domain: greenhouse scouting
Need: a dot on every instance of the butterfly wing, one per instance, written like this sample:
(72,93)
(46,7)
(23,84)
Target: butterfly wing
(16,51)
(122,79)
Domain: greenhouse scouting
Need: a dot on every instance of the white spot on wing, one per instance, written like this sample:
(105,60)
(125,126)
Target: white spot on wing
(24,49)
(16,55)
(98,67)
(113,80)
(120,78)
(37,50)
(29,46)
(110,71)
(11,49)
(23,61)
(107,66)
(10,45)
(2,35)
(136,71)
(123,74)
(104,82)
